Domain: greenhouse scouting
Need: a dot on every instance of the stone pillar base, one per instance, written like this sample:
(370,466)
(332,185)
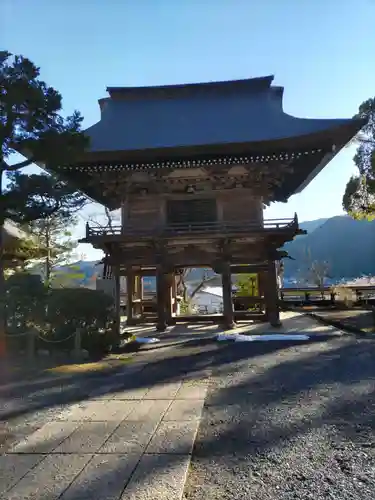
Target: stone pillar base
(276,323)
(161,327)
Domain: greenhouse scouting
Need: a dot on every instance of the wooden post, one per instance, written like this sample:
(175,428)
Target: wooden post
(117,325)
(262,284)
(77,344)
(161,285)
(272,295)
(168,301)
(31,344)
(138,295)
(227,296)
(174,294)
(129,296)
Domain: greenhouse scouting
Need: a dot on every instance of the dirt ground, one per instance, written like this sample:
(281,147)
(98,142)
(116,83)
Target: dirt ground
(351,319)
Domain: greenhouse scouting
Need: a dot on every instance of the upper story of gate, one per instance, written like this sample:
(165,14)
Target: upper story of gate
(202,157)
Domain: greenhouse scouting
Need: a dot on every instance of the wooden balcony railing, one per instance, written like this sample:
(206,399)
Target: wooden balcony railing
(171,230)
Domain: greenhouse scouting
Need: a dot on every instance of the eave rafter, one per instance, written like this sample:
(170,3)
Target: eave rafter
(224,161)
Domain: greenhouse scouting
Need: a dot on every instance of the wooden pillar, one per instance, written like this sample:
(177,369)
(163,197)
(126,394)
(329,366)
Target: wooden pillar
(169,299)
(138,295)
(141,291)
(117,293)
(262,284)
(161,286)
(272,295)
(227,296)
(129,295)
(174,294)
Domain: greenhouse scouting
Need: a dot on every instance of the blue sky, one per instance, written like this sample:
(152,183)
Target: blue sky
(321,51)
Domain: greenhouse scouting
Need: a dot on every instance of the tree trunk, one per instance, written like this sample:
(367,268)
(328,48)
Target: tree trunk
(2,276)
(48,257)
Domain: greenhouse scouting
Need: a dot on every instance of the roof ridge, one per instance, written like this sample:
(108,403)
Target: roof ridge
(256,82)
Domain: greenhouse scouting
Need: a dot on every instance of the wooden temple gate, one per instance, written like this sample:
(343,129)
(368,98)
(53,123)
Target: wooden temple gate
(192,167)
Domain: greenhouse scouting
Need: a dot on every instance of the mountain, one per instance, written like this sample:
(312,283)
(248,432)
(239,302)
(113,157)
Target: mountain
(84,273)
(311,225)
(347,245)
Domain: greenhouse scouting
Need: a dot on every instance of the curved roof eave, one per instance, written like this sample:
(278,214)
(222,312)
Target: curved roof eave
(193,121)
(337,132)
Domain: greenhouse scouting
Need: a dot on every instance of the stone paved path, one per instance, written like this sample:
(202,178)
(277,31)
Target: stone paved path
(128,436)
(132,444)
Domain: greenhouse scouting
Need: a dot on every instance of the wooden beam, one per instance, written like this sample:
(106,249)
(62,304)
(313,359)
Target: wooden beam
(161,285)
(248,268)
(272,296)
(129,295)
(227,296)
(117,325)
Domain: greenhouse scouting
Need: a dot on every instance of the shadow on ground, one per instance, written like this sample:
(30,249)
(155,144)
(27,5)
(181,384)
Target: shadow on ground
(282,419)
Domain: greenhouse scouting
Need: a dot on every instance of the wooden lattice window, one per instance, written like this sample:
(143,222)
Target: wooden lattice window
(191,211)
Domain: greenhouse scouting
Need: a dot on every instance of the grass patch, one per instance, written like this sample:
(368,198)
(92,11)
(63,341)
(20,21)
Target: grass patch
(98,366)
(368,329)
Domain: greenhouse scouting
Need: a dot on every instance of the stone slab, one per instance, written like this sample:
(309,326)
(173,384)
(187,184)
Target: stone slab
(198,376)
(131,437)
(88,438)
(14,467)
(119,394)
(165,391)
(192,390)
(184,410)
(158,477)
(98,411)
(174,437)
(46,439)
(104,478)
(104,391)
(146,409)
(49,479)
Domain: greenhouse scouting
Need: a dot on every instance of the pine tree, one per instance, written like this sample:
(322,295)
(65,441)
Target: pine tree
(31,124)
(359,196)
(53,238)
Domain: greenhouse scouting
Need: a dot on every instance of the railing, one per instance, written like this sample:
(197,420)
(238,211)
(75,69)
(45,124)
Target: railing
(189,228)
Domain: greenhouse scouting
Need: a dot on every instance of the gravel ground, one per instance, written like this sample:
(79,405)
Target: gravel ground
(288,422)
(281,421)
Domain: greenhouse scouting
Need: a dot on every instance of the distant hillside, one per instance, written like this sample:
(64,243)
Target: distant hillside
(312,225)
(347,245)
(88,271)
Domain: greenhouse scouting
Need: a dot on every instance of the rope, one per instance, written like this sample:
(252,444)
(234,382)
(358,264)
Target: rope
(56,341)
(14,335)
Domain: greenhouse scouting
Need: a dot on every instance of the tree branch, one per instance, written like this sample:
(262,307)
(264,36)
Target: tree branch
(13,168)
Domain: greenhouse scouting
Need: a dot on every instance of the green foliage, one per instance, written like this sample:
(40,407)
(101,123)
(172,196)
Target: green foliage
(247,285)
(91,311)
(30,117)
(25,298)
(19,252)
(38,196)
(359,197)
(51,235)
(46,207)
(64,278)
(57,313)
(31,124)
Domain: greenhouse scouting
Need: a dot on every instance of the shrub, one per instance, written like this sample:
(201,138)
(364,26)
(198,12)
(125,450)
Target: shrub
(90,311)
(25,301)
(57,314)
